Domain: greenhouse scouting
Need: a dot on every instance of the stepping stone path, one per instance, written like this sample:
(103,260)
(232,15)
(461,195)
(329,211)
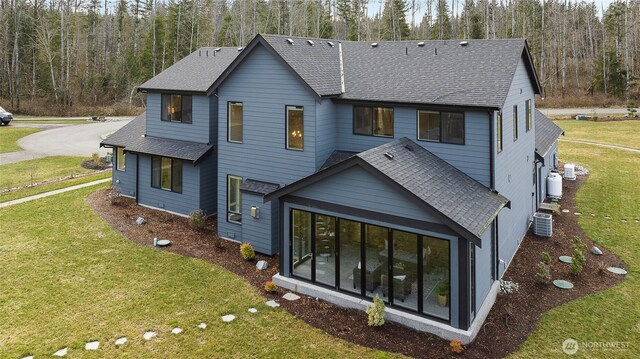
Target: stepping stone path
(149,335)
(202,326)
(566,259)
(565,211)
(616,270)
(253,310)
(272,304)
(92,345)
(291,296)
(562,284)
(121,341)
(595,250)
(228,318)
(60,353)
(176,330)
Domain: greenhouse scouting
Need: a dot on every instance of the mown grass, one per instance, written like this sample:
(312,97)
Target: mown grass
(624,133)
(40,169)
(612,316)
(68,277)
(9,137)
(30,191)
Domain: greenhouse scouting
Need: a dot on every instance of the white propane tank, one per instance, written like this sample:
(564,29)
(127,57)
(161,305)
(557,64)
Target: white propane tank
(554,185)
(569,171)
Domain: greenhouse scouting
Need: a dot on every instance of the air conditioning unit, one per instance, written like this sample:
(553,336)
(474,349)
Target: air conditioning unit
(570,171)
(542,224)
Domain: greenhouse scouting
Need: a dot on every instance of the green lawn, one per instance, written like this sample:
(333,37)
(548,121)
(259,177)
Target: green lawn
(9,137)
(624,133)
(26,192)
(68,277)
(612,316)
(40,169)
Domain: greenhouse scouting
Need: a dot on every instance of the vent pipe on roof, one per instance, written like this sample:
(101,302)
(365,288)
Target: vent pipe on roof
(290,41)
(406,51)
(207,52)
(199,52)
(330,43)
(388,155)
(435,49)
(310,42)
(375,44)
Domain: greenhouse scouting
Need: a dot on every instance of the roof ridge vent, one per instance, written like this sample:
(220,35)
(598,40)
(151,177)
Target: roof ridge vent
(421,44)
(310,42)
(217,49)
(330,43)
(240,48)
(375,44)
(290,41)
(388,155)
(464,43)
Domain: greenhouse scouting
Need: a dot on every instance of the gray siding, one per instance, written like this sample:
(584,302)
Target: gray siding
(209,183)
(264,86)
(484,268)
(181,203)
(471,158)
(545,170)
(257,231)
(197,131)
(513,169)
(125,180)
(326,131)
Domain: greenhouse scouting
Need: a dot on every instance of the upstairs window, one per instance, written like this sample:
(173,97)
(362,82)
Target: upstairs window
(176,108)
(120,159)
(373,121)
(166,173)
(499,130)
(515,123)
(234,199)
(295,127)
(235,122)
(528,114)
(445,127)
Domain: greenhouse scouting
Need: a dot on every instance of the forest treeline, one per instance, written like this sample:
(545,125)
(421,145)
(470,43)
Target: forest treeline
(64,54)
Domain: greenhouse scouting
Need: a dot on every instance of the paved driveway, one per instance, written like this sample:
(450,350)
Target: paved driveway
(63,140)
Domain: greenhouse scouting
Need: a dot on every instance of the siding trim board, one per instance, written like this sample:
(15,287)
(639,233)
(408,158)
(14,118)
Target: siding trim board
(421,105)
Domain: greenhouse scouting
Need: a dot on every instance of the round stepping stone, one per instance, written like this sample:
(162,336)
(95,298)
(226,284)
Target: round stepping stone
(272,304)
(565,211)
(202,326)
(176,330)
(228,318)
(92,345)
(60,353)
(566,259)
(163,242)
(121,341)
(149,335)
(616,270)
(291,296)
(562,284)
(253,310)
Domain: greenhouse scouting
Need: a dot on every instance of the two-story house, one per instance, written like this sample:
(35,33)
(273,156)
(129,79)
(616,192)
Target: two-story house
(408,170)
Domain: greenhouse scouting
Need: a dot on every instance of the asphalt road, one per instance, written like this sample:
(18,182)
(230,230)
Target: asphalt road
(63,140)
(582,111)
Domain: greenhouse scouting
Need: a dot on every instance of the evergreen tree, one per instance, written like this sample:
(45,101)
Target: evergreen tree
(394,21)
(441,29)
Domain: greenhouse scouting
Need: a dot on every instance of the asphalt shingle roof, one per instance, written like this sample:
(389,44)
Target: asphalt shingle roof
(547,133)
(440,72)
(258,187)
(337,156)
(132,137)
(194,73)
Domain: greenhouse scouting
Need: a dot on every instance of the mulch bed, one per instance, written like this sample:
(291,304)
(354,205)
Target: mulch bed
(93,165)
(510,321)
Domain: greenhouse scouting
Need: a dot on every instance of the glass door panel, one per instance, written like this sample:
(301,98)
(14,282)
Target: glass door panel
(325,249)
(301,255)
(404,270)
(436,281)
(349,255)
(376,247)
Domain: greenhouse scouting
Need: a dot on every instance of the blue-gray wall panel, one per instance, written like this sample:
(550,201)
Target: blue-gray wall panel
(209,183)
(326,131)
(197,131)
(484,268)
(125,181)
(257,231)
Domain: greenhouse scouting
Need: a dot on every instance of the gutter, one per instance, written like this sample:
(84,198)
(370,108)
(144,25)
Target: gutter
(342,89)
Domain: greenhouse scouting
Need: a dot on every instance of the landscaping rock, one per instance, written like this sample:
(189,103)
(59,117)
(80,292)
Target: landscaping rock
(616,270)
(262,265)
(253,310)
(597,251)
(202,326)
(92,345)
(176,330)
(291,296)
(149,335)
(121,341)
(272,304)
(565,211)
(140,221)
(228,318)
(60,353)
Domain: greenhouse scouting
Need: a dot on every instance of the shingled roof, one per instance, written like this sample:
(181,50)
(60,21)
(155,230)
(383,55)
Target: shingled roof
(132,137)
(462,203)
(547,133)
(473,73)
(194,73)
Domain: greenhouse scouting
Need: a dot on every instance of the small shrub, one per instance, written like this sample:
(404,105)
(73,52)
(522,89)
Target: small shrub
(95,157)
(375,312)
(602,268)
(270,286)
(217,241)
(197,219)
(114,196)
(543,275)
(579,259)
(546,258)
(247,252)
(456,346)
(632,109)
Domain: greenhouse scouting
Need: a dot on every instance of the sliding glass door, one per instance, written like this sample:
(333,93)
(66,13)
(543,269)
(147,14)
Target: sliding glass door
(301,253)
(325,244)
(349,255)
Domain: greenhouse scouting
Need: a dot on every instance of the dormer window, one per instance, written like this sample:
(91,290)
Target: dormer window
(176,108)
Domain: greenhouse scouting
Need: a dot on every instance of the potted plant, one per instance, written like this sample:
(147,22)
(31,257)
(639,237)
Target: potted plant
(443,293)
